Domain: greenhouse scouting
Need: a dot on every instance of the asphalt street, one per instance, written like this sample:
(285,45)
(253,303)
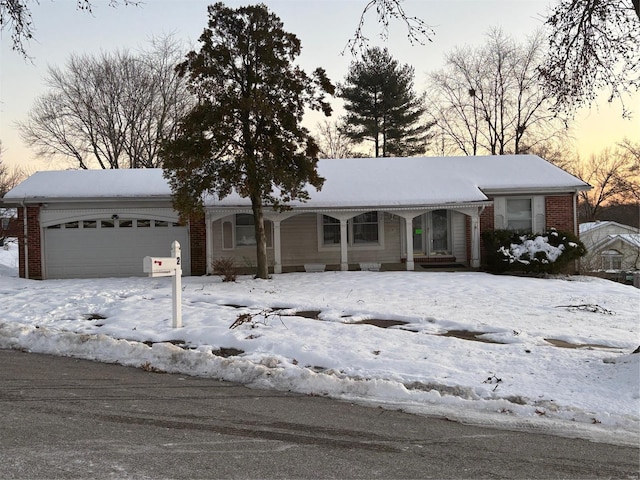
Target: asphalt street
(66,418)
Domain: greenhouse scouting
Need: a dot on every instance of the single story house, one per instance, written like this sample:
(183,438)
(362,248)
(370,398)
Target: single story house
(611,247)
(398,213)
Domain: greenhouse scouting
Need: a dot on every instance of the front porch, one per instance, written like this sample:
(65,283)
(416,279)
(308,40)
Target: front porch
(344,239)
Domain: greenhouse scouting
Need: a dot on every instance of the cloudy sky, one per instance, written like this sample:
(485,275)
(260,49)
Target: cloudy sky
(323,26)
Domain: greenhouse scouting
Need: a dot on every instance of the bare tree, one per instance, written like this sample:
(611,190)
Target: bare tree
(488,99)
(9,176)
(111,110)
(558,150)
(633,149)
(614,177)
(333,142)
(593,46)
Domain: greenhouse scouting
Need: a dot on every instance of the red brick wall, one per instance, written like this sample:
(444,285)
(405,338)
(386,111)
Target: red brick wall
(198,243)
(33,243)
(559,212)
(486,223)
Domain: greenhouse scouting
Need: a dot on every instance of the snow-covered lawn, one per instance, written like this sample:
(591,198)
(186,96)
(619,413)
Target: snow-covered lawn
(516,378)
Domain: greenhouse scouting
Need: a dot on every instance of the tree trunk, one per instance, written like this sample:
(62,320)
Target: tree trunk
(261,239)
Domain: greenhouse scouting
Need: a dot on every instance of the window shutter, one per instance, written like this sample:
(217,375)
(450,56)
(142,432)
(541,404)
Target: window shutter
(539,218)
(499,213)
(227,235)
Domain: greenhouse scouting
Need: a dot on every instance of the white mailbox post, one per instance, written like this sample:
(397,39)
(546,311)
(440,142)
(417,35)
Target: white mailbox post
(168,267)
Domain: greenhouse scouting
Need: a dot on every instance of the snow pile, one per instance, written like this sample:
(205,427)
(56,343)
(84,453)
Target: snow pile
(9,258)
(549,355)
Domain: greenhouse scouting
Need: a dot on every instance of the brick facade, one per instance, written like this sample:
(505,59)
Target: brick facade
(487,222)
(198,243)
(33,243)
(559,213)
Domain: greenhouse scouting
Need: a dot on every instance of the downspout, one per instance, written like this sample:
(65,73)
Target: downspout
(478,239)
(25,244)
(575,213)
(576,230)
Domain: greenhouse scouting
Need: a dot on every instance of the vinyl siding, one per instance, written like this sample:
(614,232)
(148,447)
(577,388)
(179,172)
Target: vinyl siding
(459,237)
(300,240)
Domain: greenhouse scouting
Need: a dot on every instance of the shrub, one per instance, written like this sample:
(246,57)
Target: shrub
(549,252)
(225,268)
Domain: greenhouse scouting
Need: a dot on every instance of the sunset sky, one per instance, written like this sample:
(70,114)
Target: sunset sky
(323,26)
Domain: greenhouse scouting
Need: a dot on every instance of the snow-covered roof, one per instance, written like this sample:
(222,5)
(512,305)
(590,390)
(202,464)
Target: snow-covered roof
(349,182)
(632,239)
(87,184)
(589,226)
(428,180)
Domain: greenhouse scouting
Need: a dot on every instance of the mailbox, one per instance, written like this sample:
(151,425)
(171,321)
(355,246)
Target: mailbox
(168,267)
(160,266)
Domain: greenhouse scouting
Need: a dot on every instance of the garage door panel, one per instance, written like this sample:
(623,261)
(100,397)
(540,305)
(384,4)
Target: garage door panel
(103,252)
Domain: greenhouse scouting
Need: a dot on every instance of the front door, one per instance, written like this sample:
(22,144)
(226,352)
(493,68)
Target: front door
(432,234)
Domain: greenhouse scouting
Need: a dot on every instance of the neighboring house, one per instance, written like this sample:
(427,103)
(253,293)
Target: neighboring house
(397,213)
(9,226)
(611,247)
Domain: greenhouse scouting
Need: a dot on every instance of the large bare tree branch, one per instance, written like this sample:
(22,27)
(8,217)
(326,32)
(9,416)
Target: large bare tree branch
(16,15)
(593,46)
(418,32)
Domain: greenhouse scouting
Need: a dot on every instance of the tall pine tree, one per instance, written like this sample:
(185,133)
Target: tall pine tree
(382,106)
(245,132)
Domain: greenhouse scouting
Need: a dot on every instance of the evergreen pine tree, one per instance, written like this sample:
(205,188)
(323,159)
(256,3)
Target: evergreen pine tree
(382,105)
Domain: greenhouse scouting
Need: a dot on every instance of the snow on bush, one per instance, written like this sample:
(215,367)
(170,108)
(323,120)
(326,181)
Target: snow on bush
(549,252)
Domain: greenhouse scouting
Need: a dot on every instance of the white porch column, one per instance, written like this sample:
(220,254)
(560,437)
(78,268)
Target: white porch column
(408,223)
(208,225)
(475,240)
(344,261)
(277,250)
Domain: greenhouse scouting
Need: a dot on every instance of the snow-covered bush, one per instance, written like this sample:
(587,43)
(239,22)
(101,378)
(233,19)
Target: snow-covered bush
(548,252)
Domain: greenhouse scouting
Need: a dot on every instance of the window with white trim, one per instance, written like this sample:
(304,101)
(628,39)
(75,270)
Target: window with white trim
(362,230)
(245,230)
(519,214)
(330,230)
(611,260)
(239,231)
(365,228)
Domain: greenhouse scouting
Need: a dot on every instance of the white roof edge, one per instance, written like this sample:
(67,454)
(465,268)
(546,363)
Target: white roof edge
(525,191)
(596,225)
(612,238)
(15,201)
(359,208)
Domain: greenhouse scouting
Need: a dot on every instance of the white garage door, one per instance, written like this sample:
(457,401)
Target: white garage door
(103,247)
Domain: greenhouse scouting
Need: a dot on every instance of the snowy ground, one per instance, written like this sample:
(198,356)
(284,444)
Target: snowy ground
(516,379)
